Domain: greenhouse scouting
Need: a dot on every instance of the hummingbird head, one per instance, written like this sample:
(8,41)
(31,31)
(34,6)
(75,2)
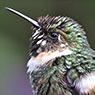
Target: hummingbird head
(57,37)
(53,37)
(49,41)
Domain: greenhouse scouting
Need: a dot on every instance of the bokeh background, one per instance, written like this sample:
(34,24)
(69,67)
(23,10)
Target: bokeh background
(15,33)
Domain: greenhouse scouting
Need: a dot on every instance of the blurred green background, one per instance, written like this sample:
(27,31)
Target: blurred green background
(15,33)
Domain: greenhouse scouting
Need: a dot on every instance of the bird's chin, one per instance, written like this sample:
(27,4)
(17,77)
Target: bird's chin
(44,57)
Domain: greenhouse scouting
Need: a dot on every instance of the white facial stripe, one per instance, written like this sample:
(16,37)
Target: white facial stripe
(86,83)
(35,33)
(35,37)
(51,55)
(41,36)
(44,57)
(39,41)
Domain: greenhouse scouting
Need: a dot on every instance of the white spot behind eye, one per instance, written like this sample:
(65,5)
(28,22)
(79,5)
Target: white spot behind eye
(59,38)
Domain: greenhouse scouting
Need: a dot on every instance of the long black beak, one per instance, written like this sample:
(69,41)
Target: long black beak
(35,23)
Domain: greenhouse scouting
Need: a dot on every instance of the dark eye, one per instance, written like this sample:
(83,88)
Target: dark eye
(54,35)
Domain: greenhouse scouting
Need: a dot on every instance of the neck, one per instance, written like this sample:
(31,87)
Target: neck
(62,72)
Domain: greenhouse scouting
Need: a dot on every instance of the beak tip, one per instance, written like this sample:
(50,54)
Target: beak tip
(6,7)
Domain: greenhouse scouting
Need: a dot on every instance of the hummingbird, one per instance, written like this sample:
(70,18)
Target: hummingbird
(61,59)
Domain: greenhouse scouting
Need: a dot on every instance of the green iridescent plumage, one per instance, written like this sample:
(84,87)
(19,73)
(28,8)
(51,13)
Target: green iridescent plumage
(59,76)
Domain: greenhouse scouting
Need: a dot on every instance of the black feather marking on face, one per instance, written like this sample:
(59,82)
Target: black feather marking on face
(49,35)
(55,33)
